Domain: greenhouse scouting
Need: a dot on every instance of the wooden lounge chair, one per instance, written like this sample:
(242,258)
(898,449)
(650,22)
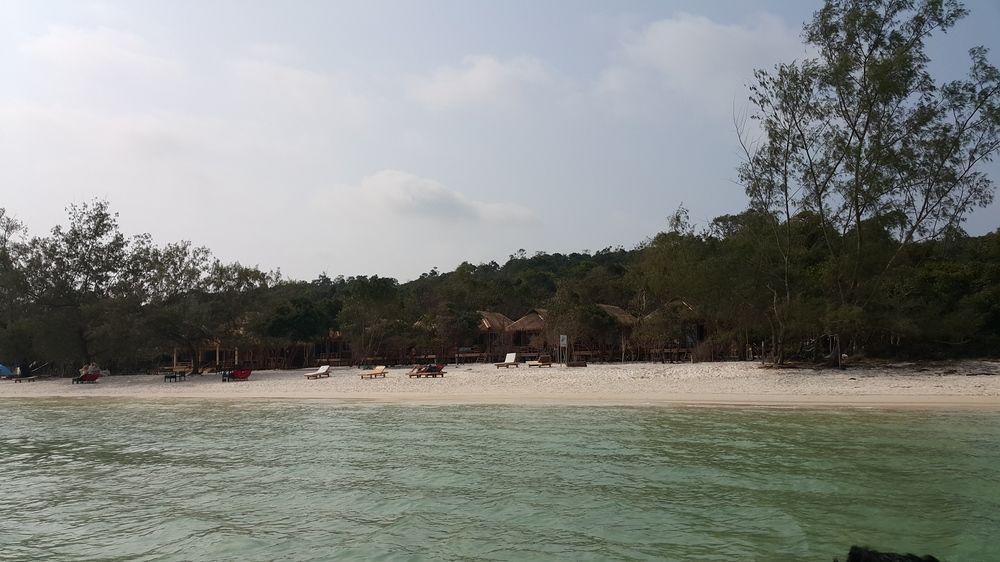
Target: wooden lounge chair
(543,361)
(508,362)
(376,372)
(23,378)
(87,378)
(237,375)
(174,376)
(429,371)
(320,373)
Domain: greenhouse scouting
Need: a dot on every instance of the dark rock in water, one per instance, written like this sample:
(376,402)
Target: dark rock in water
(862,554)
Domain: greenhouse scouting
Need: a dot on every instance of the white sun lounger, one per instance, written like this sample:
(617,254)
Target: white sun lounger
(320,373)
(508,362)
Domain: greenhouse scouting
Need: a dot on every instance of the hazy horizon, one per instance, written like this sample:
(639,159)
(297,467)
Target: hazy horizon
(389,138)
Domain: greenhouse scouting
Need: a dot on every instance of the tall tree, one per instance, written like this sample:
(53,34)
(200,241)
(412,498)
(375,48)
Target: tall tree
(84,277)
(863,138)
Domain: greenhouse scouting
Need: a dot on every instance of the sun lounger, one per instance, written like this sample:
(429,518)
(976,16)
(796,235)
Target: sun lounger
(429,371)
(28,378)
(322,372)
(508,362)
(177,376)
(87,378)
(237,375)
(376,372)
(542,362)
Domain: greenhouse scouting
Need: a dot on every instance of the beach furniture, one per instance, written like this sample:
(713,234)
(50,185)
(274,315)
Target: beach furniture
(508,362)
(175,376)
(28,378)
(543,361)
(236,375)
(87,378)
(379,371)
(576,363)
(431,371)
(322,372)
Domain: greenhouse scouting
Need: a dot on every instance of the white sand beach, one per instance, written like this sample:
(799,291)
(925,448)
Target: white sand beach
(966,384)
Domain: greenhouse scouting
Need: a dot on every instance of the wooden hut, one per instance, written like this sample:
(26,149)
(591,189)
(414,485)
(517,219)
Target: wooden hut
(671,332)
(625,323)
(493,338)
(620,316)
(527,332)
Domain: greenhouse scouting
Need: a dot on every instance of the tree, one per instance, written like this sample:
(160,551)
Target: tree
(371,307)
(84,278)
(179,305)
(864,139)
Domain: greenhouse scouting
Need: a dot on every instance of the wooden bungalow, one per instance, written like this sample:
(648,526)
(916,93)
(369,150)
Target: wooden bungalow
(335,350)
(527,333)
(620,316)
(493,338)
(625,322)
(671,332)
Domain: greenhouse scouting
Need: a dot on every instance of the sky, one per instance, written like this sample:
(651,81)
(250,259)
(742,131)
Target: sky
(390,138)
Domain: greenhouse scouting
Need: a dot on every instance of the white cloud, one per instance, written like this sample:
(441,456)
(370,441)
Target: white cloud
(296,98)
(101,52)
(409,196)
(480,79)
(697,61)
(399,221)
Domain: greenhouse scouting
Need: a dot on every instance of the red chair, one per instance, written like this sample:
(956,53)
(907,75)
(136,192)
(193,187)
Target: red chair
(89,378)
(236,375)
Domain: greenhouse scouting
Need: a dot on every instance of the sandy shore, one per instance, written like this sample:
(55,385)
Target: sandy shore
(968,384)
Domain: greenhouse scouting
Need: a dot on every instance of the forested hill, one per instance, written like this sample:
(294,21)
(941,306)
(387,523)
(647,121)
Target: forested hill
(91,293)
(859,169)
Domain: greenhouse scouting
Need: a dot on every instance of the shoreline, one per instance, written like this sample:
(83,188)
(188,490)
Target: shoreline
(773,402)
(966,385)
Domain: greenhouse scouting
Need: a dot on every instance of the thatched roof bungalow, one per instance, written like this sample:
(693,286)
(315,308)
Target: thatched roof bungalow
(493,322)
(493,336)
(676,324)
(620,316)
(532,322)
(525,331)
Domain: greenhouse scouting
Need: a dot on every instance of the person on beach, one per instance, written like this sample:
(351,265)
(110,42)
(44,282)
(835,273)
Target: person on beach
(90,369)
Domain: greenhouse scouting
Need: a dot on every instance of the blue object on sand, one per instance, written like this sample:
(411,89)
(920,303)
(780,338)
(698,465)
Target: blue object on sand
(5,371)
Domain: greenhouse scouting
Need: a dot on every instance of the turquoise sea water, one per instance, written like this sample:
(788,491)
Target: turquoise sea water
(198,480)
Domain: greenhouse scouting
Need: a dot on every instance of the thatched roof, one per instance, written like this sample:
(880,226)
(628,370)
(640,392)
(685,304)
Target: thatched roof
(533,321)
(674,308)
(621,317)
(493,321)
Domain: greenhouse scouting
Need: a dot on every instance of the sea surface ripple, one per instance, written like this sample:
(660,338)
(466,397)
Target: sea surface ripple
(258,480)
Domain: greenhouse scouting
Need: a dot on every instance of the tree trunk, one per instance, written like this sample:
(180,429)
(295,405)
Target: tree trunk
(195,359)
